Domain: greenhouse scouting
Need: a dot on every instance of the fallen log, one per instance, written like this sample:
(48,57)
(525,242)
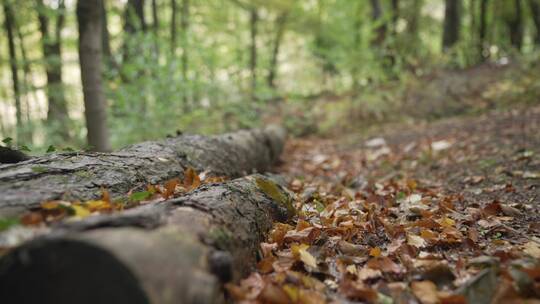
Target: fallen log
(176,251)
(80,175)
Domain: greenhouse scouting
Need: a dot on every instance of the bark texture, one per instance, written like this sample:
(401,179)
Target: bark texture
(89,17)
(81,175)
(451,23)
(177,251)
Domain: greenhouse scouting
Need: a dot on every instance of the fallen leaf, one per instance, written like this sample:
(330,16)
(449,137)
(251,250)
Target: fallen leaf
(375,252)
(415,240)
(191,179)
(306,257)
(425,291)
(80,211)
(532,248)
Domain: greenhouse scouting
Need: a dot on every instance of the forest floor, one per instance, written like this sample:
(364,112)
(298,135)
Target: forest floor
(440,212)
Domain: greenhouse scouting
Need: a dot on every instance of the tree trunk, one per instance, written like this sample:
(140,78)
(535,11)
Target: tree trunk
(80,176)
(134,16)
(89,13)
(57,114)
(482,47)
(395,17)
(134,21)
(9,24)
(280,24)
(105,37)
(380,26)
(28,84)
(155,27)
(179,251)
(451,23)
(184,23)
(253,22)
(173,27)
(535,12)
(515,26)
(413,19)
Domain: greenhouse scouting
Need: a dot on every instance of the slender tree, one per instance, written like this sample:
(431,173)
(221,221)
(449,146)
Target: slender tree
(173,26)
(184,23)
(395,17)
(134,21)
(27,77)
(105,37)
(134,18)
(535,13)
(483,54)
(380,24)
(280,24)
(9,24)
(57,113)
(452,16)
(155,26)
(253,24)
(89,17)
(413,19)
(515,26)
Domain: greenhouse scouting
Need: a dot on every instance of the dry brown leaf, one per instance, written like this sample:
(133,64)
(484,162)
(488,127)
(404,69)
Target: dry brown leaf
(425,291)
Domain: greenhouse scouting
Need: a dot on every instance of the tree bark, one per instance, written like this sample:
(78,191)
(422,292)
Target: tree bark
(57,114)
(80,176)
(134,21)
(413,19)
(482,51)
(9,24)
(380,26)
(105,37)
(280,23)
(28,84)
(184,23)
(452,16)
(89,13)
(395,17)
(173,27)
(515,26)
(155,27)
(134,16)
(535,12)
(178,251)
(253,23)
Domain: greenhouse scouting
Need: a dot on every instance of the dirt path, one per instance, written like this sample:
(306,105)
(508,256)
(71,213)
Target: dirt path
(446,212)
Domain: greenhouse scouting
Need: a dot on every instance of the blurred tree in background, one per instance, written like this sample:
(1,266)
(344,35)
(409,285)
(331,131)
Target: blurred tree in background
(145,69)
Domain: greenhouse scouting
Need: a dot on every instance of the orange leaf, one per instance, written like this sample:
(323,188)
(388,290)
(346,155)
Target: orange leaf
(191,179)
(170,186)
(375,252)
(32,218)
(105,196)
(50,205)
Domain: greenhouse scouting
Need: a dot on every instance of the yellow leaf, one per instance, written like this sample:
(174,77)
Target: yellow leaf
(80,211)
(97,205)
(272,190)
(50,205)
(306,257)
(375,252)
(352,269)
(447,222)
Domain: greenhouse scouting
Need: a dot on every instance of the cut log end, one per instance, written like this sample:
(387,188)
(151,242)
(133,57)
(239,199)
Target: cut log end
(67,271)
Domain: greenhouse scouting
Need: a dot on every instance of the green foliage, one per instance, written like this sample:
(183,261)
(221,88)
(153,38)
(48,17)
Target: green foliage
(203,84)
